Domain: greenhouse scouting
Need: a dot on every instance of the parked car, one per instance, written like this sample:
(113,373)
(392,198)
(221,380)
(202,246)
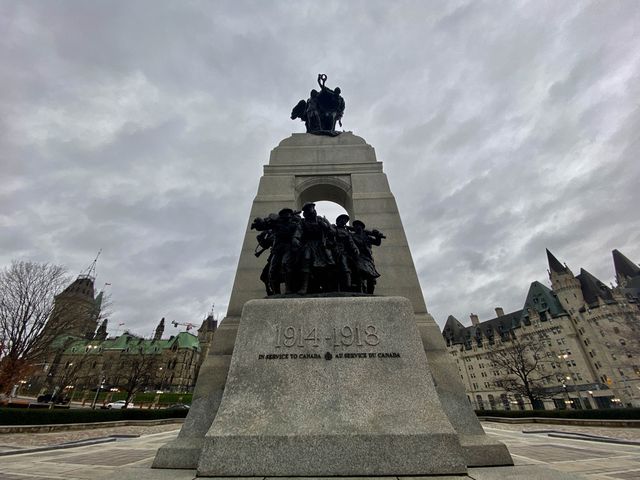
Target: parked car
(48,398)
(178,406)
(118,405)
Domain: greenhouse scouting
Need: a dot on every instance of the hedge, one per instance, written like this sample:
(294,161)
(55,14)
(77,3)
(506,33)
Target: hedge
(166,398)
(20,416)
(600,414)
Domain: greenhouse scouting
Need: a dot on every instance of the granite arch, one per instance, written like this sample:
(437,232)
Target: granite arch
(331,189)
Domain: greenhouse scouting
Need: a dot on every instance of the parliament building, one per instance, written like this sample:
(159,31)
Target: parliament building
(80,355)
(587,337)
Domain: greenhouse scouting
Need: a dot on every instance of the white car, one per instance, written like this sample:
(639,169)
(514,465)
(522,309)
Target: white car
(119,405)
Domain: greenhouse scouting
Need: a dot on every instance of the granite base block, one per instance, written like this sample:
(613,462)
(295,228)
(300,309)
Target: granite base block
(520,472)
(354,455)
(482,451)
(179,454)
(331,387)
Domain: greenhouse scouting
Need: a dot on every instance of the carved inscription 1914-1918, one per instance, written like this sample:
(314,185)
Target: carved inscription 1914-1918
(347,338)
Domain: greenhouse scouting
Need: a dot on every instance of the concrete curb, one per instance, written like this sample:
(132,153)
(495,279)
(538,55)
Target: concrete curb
(582,436)
(57,447)
(587,422)
(60,427)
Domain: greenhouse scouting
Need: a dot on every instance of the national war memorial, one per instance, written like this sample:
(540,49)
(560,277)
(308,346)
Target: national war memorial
(323,376)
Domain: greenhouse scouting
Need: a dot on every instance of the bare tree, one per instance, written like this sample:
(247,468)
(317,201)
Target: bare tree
(521,364)
(27,292)
(140,371)
(70,369)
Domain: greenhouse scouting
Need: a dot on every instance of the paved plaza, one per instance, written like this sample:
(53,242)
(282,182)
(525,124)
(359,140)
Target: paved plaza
(130,458)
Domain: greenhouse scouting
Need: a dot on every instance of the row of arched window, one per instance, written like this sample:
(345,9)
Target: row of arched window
(503,402)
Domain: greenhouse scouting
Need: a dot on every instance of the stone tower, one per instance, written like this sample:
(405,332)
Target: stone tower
(101,333)
(342,169)
(75,312)
(626,270)
(159,330)
(205,336)
(564,284)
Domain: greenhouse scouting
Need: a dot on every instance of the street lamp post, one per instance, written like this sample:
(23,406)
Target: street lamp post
(21,384)
(563,357)
(162,376)
(95,398)
(567,401)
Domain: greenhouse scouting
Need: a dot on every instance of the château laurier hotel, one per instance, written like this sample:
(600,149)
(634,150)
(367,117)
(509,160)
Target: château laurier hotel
(590,334)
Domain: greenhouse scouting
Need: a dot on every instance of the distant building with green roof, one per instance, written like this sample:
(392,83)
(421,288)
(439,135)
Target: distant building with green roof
(80,355)
(589,334)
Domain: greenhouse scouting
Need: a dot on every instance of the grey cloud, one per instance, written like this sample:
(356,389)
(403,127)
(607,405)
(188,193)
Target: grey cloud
(142,127)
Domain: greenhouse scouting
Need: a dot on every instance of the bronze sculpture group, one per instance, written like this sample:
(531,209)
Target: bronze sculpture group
(322,110)
(310,255)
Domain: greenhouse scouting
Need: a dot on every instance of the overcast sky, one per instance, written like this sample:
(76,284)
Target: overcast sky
(141,127)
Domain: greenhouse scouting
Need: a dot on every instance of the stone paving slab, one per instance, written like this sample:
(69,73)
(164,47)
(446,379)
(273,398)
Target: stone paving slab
(592,460)
(13,441)
(107,457)
(520,472)
(613,432)
(537,457)
(555,452)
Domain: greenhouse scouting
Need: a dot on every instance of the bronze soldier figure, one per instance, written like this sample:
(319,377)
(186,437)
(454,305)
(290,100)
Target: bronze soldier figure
(346,252)
(265,242)
(282,258)
(313,237)
(364,239)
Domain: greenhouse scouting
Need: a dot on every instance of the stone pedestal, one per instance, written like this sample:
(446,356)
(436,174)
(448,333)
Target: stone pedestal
(342,169)
(330,387)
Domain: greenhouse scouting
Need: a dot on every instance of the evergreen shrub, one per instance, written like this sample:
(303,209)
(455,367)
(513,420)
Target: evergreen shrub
(21,416)
(599,414)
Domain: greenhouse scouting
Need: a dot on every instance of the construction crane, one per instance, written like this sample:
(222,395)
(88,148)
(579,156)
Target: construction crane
(188,325)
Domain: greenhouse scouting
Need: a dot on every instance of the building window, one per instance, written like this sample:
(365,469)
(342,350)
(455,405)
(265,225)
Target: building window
(505,401)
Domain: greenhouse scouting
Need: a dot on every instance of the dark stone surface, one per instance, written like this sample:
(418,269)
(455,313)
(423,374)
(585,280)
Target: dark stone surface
(321,295)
